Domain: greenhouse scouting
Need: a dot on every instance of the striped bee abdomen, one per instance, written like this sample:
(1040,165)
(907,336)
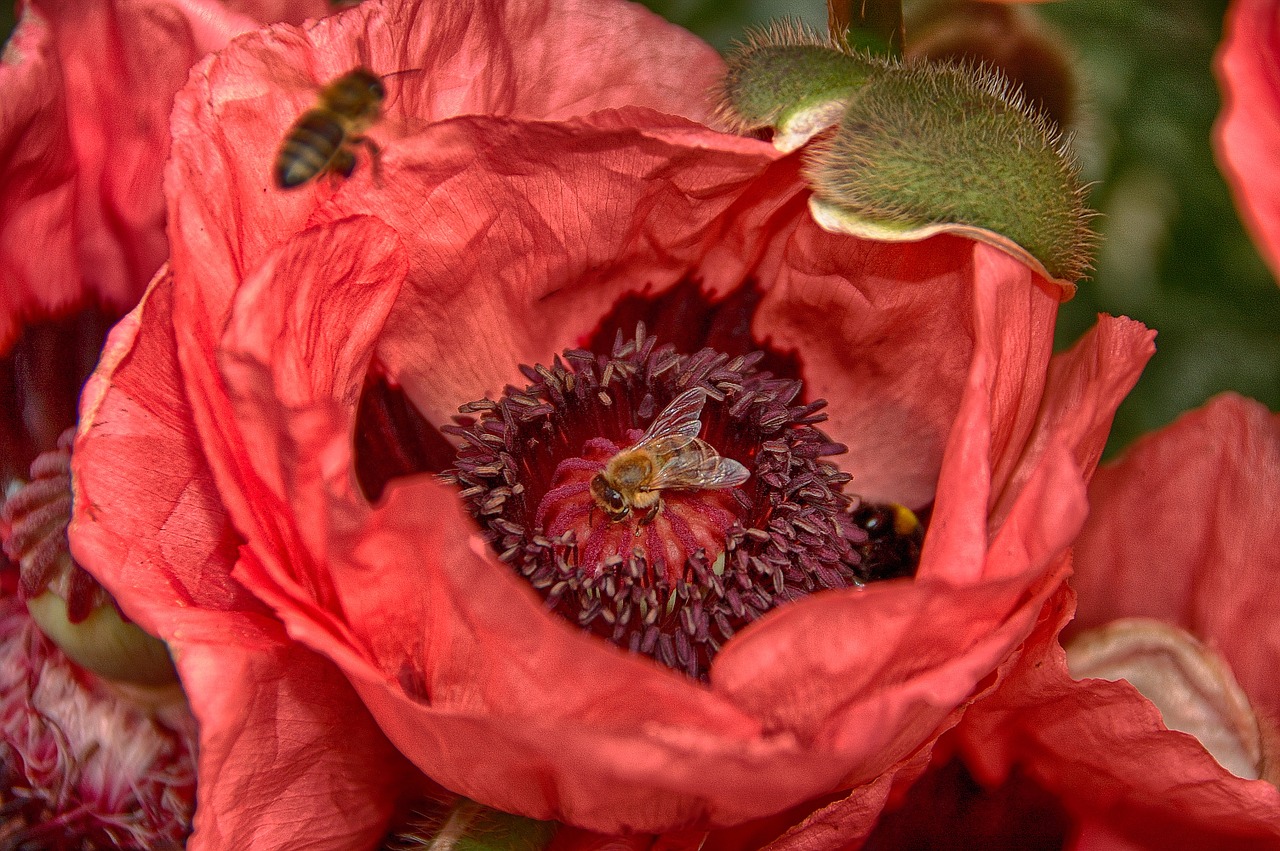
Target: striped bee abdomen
(309,149)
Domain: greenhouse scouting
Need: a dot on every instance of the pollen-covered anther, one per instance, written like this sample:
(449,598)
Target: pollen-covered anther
(662,501)
(35,517)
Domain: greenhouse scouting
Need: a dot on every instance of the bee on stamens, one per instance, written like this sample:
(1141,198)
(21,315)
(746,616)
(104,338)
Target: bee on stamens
(670,456)
(323,139)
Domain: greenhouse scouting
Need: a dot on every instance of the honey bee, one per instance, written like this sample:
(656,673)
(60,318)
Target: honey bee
(670,456)
(322,140)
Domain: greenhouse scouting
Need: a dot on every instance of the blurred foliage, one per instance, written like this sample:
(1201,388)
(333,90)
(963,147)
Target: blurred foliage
(1174,254)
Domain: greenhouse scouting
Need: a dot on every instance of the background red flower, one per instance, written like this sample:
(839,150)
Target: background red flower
(1182,530)
(1248,69)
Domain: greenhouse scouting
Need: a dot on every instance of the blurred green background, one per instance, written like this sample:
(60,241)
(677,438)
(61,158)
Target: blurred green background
(1173,253)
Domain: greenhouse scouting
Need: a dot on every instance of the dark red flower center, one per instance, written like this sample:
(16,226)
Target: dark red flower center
(664,501)
(559,475)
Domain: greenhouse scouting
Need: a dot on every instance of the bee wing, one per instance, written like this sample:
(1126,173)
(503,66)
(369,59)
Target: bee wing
(725,473)
(680,417)
(687,462)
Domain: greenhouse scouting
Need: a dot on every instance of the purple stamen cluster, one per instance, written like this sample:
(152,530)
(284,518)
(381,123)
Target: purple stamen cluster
(713,560)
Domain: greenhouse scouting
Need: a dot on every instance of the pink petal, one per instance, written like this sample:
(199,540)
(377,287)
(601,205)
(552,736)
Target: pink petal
(622,215)
(161,543)
(285,761)
(1083,389)
(1191,685)
(850,820)
(1104,750)
(37,182)
(896,375)
(135,417)
(1247,135)
(1193,505)
(1181,529)
(547,60)
(89,87)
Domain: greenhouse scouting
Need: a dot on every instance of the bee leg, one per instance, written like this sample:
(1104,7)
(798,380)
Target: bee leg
(375,157)
(342,164)
(651,514)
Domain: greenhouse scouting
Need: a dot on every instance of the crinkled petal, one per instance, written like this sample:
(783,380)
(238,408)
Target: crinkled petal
(1181,529)
(543,258)
(1191,685)
(1247,135)
(284,760)
(1048,509)
(542,60)
(1185,530)
(88,91)
(896,377)
(848,821)
(138,464)
(37,182)
(1083,389)
(1104,750)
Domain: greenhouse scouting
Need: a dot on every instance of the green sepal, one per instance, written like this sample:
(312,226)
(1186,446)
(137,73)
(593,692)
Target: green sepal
(930,148)
(104,643)
(791,80)
(469,826)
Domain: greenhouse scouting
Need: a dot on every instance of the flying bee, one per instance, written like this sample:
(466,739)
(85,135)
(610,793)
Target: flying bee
(322,140)
(670,456)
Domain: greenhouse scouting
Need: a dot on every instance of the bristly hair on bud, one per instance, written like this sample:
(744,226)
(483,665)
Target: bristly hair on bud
(789,78)
(927,148)
(468,826)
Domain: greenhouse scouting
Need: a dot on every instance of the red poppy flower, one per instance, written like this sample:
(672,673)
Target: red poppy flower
(85,123)
(84,763)
(244,469)
(1248,130)
(1182,534)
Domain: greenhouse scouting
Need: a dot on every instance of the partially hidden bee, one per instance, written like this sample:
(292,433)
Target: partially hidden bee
(322,141)
(670,456)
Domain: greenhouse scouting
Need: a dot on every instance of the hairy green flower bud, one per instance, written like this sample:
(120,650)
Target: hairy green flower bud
(927,148)
(919,148)
(792,80)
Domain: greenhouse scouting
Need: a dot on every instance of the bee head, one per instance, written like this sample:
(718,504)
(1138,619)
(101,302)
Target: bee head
(609,498)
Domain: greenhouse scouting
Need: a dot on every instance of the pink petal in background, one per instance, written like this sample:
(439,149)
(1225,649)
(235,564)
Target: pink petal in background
(1247,134)
(1181,529)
